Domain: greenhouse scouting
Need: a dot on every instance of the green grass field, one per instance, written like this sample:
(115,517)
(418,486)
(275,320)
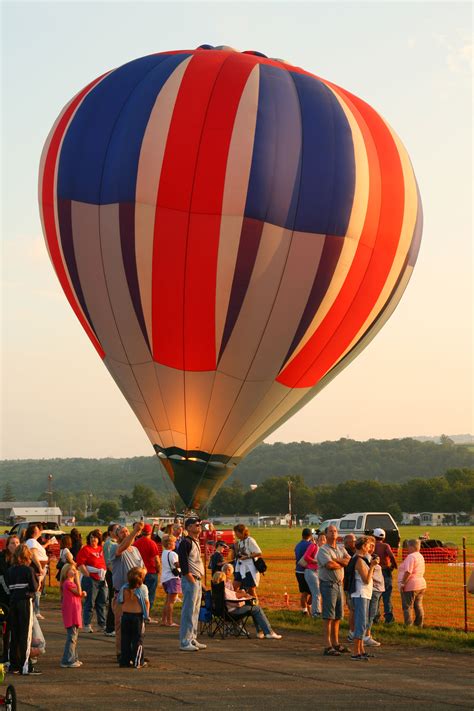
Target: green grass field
(282,538)
(272,539)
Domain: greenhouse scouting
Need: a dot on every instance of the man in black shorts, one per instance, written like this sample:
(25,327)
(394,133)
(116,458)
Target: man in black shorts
(300,550)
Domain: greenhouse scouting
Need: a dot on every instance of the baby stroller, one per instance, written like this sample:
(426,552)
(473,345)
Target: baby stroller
(7,700)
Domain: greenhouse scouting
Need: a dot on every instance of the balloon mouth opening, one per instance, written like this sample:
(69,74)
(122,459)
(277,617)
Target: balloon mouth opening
(215,461)
(196,475)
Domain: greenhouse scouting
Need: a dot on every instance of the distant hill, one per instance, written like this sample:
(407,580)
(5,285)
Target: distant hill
(394,460)
(457,439)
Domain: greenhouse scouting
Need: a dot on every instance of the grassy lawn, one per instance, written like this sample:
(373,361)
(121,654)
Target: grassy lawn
(447,640)
(285,539)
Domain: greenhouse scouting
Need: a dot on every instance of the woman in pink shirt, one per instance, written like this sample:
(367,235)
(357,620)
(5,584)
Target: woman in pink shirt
(412,584)
(311,574)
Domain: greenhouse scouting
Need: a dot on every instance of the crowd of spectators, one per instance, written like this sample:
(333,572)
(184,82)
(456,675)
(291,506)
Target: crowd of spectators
(109,583)
(356,574)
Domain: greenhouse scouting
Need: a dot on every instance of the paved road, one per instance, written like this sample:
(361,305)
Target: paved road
(243,674)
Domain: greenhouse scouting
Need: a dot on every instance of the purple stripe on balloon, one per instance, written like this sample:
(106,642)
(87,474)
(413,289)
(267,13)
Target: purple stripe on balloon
(250,236)
(327,266)
(65,232)
(127,240)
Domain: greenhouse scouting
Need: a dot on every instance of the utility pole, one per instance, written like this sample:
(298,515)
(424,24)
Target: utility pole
(50,490)
(290,522)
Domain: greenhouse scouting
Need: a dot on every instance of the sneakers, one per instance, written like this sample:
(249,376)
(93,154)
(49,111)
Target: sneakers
(260,635)
(74,665)
(198,644)
(305,612)
(350,637)
(371,642)
(89,628)
(34,672)
(273,635)
(359,658)
(109,634)
(151,621)
(189,648)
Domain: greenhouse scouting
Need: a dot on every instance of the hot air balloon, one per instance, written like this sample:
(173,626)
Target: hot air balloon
(231,231)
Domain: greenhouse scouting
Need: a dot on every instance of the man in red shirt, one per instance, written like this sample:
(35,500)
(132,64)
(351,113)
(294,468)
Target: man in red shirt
(388,563)
(151,557)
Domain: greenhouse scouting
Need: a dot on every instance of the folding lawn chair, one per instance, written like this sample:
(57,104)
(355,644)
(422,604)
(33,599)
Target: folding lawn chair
(205,613)
(226,624)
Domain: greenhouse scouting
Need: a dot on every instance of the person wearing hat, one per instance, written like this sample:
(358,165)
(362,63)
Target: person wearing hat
(216,560)
(151,558)
(388,564)
(192,570)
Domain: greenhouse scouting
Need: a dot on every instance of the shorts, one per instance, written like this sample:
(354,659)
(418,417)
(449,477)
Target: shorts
(173,586)
(332,596)
(246,582)
(302,584)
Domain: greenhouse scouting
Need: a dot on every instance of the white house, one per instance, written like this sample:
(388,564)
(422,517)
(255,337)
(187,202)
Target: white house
(7,506)
(35,513)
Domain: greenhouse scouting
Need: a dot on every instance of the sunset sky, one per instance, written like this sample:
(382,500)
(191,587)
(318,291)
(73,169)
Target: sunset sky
(412,61)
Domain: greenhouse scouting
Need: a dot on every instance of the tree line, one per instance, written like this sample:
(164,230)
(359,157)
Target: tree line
(452,492)
(391,460)
(80,485)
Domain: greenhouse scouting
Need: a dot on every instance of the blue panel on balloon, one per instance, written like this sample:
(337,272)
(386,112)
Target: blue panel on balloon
(328,167)
(121,163)
(88,137)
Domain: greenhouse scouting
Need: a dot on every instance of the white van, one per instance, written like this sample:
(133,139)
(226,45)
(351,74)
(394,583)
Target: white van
(364,523)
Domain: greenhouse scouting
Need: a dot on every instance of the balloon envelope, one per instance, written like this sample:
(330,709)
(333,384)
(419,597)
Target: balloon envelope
(230,231)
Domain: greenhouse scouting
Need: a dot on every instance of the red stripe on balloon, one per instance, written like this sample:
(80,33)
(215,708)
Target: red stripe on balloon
(185,246)
(372,261)
(48,199)
(206,209)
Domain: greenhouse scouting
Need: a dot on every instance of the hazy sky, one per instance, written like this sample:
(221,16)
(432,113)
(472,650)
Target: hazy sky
(411,61)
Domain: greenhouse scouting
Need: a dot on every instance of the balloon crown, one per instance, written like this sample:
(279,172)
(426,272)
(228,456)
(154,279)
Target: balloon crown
(227,48)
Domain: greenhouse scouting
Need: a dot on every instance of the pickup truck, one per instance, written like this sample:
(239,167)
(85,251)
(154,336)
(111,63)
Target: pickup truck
(50,529)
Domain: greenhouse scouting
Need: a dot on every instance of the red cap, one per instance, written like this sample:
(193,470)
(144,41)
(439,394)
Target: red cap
(147,529)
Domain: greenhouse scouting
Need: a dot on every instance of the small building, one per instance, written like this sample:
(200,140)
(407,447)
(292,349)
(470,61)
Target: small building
(7,506)
(435,518)
(36,513)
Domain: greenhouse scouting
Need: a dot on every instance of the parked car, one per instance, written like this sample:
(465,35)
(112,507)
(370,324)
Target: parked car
(50,529)
(364,523)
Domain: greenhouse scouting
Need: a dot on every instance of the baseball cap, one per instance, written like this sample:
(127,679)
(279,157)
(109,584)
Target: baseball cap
(147,529)
(379,533)
(191,520)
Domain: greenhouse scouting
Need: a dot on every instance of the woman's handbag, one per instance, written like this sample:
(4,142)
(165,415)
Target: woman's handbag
(303,563)
(260,565)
